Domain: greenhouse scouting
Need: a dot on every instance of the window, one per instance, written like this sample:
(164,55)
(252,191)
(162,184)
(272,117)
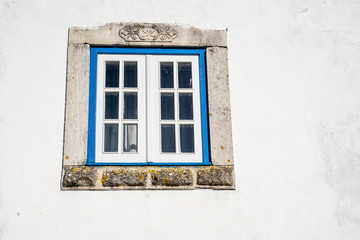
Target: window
(141,113)
(147,107)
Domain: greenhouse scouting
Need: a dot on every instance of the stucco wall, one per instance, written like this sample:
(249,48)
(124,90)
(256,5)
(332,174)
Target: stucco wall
(294,83)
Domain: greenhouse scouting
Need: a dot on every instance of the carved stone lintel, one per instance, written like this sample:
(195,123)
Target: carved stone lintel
(147,33)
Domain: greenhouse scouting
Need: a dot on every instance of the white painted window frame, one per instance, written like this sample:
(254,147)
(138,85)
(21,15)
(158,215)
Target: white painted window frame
(120,157)
(149,110)
(154,122)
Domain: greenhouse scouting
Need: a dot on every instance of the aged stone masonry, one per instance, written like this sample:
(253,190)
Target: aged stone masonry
(76,175)
(147,178)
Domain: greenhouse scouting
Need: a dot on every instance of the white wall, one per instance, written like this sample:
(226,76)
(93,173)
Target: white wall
(295,95)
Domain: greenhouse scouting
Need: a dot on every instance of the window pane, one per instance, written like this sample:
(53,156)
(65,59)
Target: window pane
(166,75)
(186,106)
(168,138)
(187,138)
(111,138)
(130,106)
(130,141)
(111,105)
(112,74)
(130,74)
(185,80)
(167,106)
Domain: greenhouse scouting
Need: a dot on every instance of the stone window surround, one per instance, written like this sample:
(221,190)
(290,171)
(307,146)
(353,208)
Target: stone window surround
(76,175)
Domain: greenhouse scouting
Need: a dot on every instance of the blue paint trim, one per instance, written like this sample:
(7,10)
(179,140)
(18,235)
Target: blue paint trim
(204,110)
(154,51)
(116,164)
(179,164)
(92,107)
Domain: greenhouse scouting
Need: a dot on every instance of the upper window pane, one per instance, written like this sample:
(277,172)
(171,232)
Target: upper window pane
(130,74)
(185,79)
(167,75)
(112,74)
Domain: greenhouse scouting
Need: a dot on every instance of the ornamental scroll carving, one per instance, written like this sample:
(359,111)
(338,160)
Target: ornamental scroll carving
(147,33)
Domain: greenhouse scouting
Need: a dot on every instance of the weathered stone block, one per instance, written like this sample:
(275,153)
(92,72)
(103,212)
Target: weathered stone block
(219,107)
(79,176)
(124,177)
(171,177)
(215,176)
(137,34)
(77,105)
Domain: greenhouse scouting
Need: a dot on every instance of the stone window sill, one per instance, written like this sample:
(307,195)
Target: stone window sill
(148,178)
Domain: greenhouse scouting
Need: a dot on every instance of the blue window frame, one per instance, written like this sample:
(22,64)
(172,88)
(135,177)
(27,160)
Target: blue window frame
(92,138)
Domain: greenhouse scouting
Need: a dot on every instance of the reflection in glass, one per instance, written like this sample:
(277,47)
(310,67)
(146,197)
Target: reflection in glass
(186,106)
(185,80)
(111,105)
(130,74)
(168,138)
(112,74)
(166,75)
(130,142)
(111,138)
(130,106)
(187,138)
(167,106)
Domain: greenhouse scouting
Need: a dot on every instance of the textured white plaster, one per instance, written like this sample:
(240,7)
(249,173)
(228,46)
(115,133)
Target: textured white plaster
(294,85)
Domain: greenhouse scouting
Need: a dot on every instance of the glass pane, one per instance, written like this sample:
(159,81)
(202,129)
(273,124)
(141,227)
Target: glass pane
(130,106)
(186,106)
(187,138)
(185,80)
(111,105)
(167,106)
(111,138)
(130,142)
(130,74)
(168,138)
(166,75)
(112,74)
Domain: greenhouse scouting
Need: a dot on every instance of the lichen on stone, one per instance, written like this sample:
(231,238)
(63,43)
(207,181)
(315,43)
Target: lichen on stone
(76,176)
(121,177)
(171,177)
(215,176)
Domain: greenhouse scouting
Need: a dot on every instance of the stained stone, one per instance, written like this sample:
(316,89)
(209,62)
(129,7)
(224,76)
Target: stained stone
(124,177)
(79,176)
(171,177)
(215,176)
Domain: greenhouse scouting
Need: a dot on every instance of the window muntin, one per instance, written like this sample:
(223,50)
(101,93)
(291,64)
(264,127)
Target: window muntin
(187,130)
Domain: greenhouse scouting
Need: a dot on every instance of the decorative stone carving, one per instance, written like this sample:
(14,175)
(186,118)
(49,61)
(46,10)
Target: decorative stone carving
(148,33)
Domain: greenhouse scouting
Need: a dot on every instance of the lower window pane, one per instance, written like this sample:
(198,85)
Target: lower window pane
(168,138)
(111,138)
(187,138)
(130,142)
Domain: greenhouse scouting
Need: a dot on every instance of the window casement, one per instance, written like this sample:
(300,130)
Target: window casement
(148,106)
